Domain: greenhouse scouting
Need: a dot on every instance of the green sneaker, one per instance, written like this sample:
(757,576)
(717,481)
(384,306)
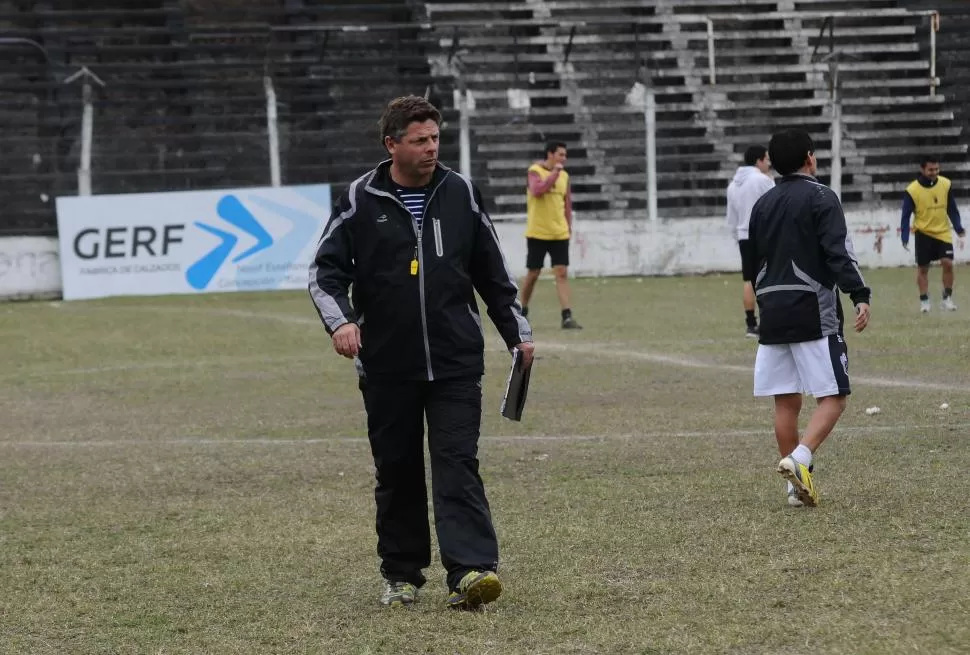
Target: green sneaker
(399,594)
(475,589)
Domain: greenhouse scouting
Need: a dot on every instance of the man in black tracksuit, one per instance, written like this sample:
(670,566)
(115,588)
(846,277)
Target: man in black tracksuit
(801,250)
(414,241)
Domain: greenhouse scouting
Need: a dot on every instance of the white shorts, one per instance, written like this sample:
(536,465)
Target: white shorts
(819,368)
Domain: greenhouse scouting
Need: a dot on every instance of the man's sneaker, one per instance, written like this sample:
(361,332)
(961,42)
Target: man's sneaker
(752,332)
(801,479)
(398,594)
(794,500)
(475,589)
(571,324)
(925,306)
(949,305)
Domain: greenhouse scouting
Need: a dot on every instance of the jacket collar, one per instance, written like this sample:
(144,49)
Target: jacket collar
(379,181)
(799,176)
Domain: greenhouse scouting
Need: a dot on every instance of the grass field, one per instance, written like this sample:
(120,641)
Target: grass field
(191,475)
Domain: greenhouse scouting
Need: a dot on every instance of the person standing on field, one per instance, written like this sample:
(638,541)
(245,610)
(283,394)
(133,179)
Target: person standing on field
(549,226)
(413,241)
(930,197)
(750,182)
(801,250)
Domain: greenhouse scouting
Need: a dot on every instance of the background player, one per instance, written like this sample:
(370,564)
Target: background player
(929,197)
(750,182)
(549,225)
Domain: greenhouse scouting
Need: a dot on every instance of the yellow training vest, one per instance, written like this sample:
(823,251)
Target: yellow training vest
(931,217)
(546,215)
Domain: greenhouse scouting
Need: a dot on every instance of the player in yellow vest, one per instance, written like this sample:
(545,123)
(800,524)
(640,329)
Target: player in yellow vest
(548,227)
(929,197)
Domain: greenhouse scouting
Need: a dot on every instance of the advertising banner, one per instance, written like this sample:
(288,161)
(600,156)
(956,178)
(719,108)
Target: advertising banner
(253,239)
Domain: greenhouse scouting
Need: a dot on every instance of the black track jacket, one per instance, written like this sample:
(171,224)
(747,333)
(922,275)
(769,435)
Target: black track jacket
(424,326)
(803,255)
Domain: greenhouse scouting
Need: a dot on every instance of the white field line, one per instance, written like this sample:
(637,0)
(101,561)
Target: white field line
(565,438)
(122,367)
(898,383)
(578,348)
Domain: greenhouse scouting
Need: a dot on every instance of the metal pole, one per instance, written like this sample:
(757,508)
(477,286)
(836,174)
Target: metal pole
(272,131)
(650,120)
(87,127)
(836,179)
(710,51)
(464,131)
(934,27)
(87,136)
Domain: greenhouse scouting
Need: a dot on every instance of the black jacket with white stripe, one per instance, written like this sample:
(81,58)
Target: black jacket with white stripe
(803,255)
(419,324)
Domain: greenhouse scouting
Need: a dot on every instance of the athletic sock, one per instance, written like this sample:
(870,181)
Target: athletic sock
(947,292)
(791,487)
(802,455)
(923,297)
(749,318)
(525,311)
(567,313)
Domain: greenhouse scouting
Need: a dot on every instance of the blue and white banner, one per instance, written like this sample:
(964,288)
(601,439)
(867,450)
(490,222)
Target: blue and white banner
(189,242)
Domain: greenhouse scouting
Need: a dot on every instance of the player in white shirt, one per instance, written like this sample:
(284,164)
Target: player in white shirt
(750,182)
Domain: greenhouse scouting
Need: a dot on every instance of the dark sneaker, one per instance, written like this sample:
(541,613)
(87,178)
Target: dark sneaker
(399,594)
(752,332)
(571,324)
(475,589)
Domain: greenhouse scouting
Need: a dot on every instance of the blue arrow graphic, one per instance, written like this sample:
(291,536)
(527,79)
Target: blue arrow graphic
(233,211)
(201,272)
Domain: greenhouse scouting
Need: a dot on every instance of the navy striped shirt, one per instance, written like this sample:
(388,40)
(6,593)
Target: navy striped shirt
(414,200)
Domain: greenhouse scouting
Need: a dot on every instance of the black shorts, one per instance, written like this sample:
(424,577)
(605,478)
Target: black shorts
(745,247)
(929,249)
(536,250)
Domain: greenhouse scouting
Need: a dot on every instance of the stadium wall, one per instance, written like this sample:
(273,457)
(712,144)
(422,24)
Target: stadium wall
(692,246)
(30,268)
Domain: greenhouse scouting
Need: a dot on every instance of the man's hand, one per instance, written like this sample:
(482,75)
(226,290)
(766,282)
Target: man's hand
(963,239)
(861,316)
(346,340)
(528,350)
(906,246)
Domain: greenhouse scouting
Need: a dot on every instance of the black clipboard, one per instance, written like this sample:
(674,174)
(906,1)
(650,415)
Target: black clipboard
(516,387)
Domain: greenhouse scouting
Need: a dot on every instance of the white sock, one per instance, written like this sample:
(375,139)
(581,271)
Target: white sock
(791,487)
(802,455)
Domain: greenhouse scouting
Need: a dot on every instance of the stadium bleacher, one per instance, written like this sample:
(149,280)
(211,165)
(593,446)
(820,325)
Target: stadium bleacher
(576,62)
(184,106)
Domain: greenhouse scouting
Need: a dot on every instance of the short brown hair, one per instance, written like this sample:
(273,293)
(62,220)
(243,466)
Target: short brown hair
(403,111)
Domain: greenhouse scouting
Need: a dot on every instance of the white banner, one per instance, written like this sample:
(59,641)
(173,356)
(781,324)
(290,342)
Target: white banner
(189,242)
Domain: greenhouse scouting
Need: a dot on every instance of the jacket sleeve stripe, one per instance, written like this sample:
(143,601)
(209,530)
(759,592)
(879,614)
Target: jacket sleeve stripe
(525,332)
(850,251)
(327,305)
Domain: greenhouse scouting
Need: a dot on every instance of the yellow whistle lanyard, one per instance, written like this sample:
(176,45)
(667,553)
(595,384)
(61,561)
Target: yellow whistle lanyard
(419,230)
(414,260)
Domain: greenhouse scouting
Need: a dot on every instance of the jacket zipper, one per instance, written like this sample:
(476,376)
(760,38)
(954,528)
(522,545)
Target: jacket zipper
(420,255)
(424,309)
